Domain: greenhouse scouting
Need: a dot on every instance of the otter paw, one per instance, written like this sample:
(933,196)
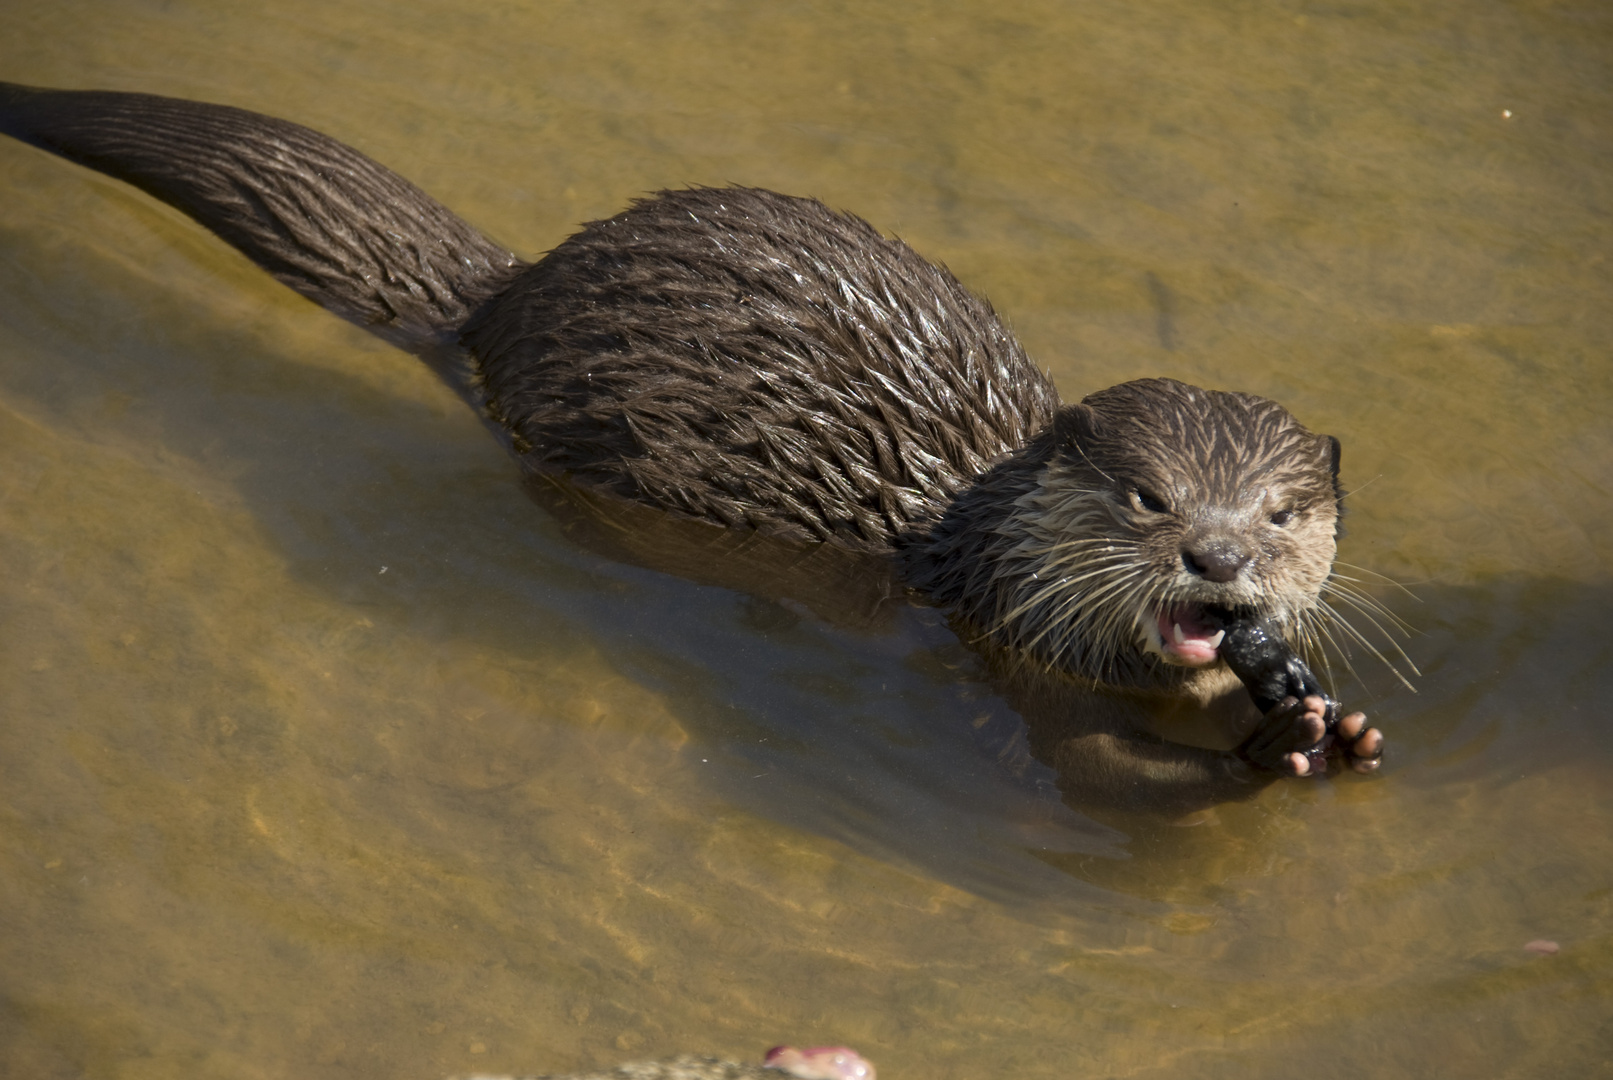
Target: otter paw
(1360,746)
(1290,739)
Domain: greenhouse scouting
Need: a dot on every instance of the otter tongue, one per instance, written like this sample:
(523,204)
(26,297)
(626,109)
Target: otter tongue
(1188,635)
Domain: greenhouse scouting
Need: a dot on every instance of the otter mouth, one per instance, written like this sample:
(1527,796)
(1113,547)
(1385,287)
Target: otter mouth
(1189,634)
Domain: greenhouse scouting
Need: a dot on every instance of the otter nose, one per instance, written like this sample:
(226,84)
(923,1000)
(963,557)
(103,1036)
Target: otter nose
(1215,560)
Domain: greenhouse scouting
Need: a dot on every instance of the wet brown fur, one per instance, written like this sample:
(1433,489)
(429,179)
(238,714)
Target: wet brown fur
(757,361)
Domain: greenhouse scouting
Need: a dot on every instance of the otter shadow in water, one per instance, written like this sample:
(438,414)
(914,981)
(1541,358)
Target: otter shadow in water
(758,363)
(1516,681)
(876,709)
(877,733)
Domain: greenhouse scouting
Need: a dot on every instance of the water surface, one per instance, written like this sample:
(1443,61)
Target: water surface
(327,753)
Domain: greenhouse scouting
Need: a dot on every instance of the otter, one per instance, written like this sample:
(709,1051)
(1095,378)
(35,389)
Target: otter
(760,365)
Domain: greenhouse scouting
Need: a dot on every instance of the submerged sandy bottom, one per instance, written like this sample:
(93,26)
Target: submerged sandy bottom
(326,754)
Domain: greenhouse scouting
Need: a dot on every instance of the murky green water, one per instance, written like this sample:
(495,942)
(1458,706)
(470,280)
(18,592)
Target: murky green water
(326,754)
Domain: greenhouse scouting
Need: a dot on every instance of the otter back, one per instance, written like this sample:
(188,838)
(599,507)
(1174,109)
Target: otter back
(757,360)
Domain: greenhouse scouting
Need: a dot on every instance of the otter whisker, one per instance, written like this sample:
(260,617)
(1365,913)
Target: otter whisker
(1064,563)
(1341,650)
(1125,546)
(1115,626)
(1382,579)
(1086,603)
(1338,621)
(1364,485)
(1368,609)
(1102,616)
(1365,602)
(1093,568)
(1051,588)
(1313,630)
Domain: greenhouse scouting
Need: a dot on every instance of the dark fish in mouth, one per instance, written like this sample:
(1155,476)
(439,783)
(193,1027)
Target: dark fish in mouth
(1270,670)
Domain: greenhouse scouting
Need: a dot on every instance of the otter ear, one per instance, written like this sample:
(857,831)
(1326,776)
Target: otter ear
(1333,452)
(1074,423)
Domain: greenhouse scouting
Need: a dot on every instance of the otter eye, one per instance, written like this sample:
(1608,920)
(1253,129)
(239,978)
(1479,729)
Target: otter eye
(1142,500)
(1282,517)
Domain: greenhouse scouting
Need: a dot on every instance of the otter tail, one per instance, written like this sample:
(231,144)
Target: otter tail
(324,219)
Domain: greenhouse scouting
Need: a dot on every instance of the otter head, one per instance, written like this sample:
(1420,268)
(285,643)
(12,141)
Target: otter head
(1159,502)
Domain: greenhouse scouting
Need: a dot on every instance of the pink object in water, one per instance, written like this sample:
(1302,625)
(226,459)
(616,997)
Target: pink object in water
(820,1063)
(1541,947)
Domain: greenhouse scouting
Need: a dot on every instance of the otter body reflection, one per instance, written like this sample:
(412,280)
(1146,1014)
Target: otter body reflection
(761,365)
